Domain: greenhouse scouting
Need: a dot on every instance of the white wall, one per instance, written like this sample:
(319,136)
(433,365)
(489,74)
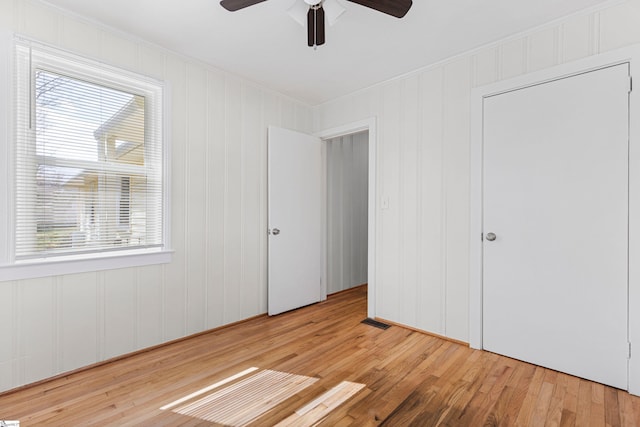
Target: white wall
(422,274)
(218,185)
(347,208)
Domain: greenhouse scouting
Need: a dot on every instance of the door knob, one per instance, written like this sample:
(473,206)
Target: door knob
(491,237)
(275,231)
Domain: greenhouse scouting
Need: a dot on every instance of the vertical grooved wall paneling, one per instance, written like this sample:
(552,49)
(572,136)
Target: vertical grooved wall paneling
(456,165)
(617,26)
(101,309)
(427,219)
(430,294)
(233,201)
(408,200)
(149,306)
(251,201)
(175,286)
(119,310)
(216,158)
(389,263)
(217,131)
(9,361)
(196,143)
(79,320)
(8,317)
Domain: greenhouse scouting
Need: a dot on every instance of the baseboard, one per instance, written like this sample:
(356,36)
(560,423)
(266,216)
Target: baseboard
(464,343)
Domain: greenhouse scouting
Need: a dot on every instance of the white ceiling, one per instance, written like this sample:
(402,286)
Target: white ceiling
(264,44)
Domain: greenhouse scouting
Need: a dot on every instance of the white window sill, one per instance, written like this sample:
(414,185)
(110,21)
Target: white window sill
(45,268)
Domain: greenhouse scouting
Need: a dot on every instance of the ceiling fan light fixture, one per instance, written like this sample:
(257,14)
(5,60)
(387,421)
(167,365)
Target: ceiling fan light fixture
(332,10)
(313,2)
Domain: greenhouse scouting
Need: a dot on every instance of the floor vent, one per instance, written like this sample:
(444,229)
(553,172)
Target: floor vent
(371,322)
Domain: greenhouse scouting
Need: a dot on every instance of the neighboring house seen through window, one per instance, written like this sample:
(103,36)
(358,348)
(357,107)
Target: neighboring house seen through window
(89,157)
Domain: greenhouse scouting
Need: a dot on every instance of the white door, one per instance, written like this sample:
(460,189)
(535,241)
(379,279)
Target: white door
(556,198)
(295,220)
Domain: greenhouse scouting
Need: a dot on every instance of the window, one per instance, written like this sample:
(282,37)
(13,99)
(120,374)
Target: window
(89,156)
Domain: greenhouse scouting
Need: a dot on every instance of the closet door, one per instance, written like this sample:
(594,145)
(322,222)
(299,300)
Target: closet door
(555,212)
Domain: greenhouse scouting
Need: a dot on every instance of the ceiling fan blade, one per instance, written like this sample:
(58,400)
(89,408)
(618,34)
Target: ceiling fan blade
(397,8)
(319,26)
(311,27)
(233,5)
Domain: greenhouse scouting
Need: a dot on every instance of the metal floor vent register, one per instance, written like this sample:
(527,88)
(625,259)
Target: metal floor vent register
(371,322)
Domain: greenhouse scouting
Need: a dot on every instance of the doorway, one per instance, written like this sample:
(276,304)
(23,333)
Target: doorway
(347,206)
(368,126)
(278,294)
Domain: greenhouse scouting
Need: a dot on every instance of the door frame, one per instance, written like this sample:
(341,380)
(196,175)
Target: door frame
(629,55)
(369,125)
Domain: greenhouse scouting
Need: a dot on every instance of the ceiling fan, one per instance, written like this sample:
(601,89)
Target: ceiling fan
(315,15)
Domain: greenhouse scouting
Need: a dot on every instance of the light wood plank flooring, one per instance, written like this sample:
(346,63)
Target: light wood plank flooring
(409,379)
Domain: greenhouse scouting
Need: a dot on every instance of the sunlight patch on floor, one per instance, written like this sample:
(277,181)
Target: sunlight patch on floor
(209,388)
(240,403)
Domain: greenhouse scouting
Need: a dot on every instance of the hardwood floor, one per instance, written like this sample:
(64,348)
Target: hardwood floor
(408,378)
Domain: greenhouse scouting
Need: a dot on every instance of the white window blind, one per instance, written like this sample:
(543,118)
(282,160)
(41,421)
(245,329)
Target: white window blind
(89,157)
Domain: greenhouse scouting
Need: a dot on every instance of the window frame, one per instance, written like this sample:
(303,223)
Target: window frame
(12,269)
